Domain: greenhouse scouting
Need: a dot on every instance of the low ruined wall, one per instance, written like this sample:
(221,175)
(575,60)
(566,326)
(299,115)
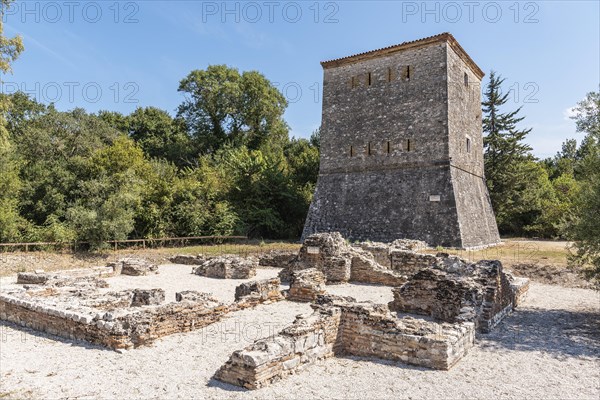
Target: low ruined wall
(252,293)
(434,293)
(185,259)
(126,319)
(519,287)
(380,252)
(409,263)
(366,270)
(340,326)
(114,330)
(481,293)
(277,258)
(340,262)
(498,296)
(227,267)
(374,333)
(309,339)
(306,285)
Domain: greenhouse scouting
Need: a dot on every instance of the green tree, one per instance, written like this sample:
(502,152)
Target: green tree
(159,135)
(110,196)
(10,49)
(55,149)
(506,157)
(585,229)
(223,107)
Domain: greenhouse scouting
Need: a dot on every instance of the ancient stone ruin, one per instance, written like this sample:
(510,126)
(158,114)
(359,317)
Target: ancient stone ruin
(81,307)
(342,326)
(340,262)
(134,267)
(306,285)
(227,267)
(439,303)
(480,293)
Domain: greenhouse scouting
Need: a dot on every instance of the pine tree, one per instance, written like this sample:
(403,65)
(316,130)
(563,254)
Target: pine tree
(506,159)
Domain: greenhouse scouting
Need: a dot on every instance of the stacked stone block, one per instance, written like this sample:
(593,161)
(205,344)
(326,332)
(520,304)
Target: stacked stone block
(341,326)
(227,267)
(306,285)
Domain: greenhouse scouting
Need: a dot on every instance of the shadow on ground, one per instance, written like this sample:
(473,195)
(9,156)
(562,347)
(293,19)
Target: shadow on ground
(560,333)
(10,332)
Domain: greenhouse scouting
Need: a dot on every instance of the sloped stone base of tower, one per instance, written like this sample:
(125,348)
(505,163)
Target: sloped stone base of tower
(437,204)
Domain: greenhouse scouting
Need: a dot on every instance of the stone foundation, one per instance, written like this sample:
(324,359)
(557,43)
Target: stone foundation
(252,293)
(74,308)
(227,267)
(340,262)
(306,285)
(310,338)
(340,326)
(133,267)
(455,291)
(277,258)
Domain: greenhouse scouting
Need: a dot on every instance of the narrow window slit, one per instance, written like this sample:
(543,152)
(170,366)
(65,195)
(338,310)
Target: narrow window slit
(351,151)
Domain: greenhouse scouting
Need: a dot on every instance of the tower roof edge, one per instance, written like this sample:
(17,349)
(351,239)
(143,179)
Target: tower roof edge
(442,37)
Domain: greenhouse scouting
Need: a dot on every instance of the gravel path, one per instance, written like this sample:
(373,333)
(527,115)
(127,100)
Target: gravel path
(549,348)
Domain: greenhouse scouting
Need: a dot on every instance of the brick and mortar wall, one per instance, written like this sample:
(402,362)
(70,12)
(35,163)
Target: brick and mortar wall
(127,319)
(344,327)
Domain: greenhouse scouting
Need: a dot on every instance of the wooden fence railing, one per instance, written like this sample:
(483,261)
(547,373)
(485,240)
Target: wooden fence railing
(153,242)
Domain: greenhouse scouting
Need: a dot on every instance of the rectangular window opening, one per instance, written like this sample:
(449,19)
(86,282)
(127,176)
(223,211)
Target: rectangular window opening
(466,79)
(468,145)
(369,81)
(388,147)
(351,151)
(406,73)
(390,76)
(369,148)
(408,145)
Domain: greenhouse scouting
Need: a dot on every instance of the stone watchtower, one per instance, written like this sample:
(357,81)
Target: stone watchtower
(402,147)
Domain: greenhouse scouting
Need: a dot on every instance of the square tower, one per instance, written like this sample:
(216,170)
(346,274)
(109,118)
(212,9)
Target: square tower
(402,147)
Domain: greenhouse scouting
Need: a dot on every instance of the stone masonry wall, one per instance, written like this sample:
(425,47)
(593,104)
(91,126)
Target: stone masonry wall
(311,338)
(341,326)
(340,262)
(125,319)
(392,126)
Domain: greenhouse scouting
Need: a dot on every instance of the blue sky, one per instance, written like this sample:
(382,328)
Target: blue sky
(121,55)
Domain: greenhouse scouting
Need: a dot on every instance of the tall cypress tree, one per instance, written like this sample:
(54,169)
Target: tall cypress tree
(505,155)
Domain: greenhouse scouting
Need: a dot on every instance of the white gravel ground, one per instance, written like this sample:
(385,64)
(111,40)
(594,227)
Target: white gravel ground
(549,348)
